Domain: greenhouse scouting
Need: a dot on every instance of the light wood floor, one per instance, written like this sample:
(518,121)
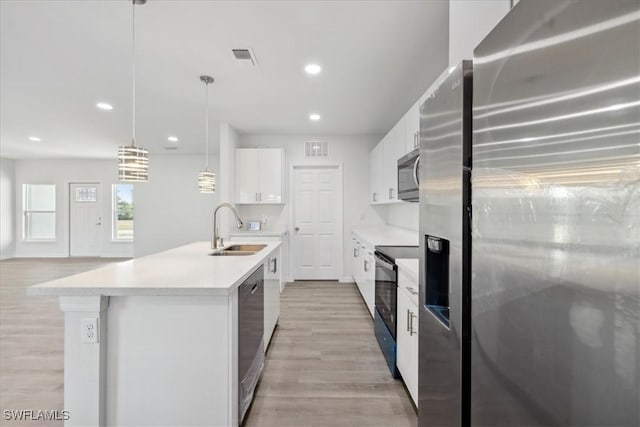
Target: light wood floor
(32,335)
(323,368)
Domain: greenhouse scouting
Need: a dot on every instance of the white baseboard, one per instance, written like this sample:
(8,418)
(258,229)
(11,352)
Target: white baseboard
(346,279)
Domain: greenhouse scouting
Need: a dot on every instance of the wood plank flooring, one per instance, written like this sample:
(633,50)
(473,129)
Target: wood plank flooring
(32,335)
(323,368)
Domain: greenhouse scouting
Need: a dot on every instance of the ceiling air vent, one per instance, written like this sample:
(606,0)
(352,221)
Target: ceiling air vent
(245,57)
(316,149)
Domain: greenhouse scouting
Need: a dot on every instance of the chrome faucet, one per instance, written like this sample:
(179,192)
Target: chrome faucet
(216,242)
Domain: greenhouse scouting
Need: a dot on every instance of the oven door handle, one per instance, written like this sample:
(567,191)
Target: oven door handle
(384,263)
(416,178)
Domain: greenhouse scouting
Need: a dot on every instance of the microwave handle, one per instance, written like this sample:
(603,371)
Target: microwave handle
(416,178)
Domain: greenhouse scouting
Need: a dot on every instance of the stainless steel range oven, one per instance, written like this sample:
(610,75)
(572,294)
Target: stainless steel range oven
(386,289)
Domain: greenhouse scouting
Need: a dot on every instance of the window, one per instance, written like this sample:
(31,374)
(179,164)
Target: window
(123,212)
(39,205)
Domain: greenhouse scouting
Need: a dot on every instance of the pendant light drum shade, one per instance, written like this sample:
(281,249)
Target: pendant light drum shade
(206,178)
(133,163)
(206,181)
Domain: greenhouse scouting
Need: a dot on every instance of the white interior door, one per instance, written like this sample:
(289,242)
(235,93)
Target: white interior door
(85,219)
(317,223)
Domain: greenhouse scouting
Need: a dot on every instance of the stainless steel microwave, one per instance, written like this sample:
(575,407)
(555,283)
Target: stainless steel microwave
(409,176)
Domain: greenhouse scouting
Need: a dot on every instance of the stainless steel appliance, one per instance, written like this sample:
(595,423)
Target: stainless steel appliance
(547,331)
(556,216)
(408,176)
(445,152)
(386,299)
(250,338)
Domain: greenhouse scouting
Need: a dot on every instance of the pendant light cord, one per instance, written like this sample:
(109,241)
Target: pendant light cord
(206,127)
(133,72)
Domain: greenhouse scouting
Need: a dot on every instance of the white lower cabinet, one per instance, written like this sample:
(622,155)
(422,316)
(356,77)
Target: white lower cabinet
(407,334)
(363,268)
(271,295)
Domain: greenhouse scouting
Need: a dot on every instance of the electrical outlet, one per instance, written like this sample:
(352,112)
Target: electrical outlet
(89,330)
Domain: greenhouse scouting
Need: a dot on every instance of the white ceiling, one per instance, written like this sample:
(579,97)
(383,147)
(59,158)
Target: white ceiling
(58,58)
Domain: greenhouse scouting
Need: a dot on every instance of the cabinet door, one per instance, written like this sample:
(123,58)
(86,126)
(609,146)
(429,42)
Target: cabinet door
(271,295)
(270,175)
(370,280)
(412,383)
(393,150)
(403,340)
(247,167)
(412,127)
(376,173)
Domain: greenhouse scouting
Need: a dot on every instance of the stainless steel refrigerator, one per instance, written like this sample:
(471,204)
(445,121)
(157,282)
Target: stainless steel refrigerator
(556,216)
(543,317)
(445,160)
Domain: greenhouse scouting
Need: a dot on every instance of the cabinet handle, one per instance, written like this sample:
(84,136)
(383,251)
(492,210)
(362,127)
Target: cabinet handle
(374,196)
(410,289)
(274,265)
(254,289)
(256,197)
(355,252)
(408,319)
(366,265)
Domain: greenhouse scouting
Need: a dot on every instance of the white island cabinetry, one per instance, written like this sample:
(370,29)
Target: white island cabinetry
(166,351)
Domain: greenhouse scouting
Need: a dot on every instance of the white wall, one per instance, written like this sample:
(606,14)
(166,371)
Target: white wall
(61,173)
(352,152)
(229,140)
(405,215)
(469,22)
(169,210)
(7,209)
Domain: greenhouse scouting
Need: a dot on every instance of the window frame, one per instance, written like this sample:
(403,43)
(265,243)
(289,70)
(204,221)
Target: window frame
(26,222)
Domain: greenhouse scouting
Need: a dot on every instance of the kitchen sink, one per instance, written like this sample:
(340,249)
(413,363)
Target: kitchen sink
(238,250)
(245,248)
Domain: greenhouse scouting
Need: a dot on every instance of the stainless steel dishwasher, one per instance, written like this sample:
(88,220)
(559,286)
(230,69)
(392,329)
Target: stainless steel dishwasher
(250,336)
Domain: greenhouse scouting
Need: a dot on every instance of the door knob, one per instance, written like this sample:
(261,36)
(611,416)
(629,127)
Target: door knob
(297,228)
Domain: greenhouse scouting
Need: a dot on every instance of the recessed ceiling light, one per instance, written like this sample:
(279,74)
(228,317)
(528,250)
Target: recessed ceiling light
(35,139)
(173,138)
(104,106)
(313,69)
(314,117)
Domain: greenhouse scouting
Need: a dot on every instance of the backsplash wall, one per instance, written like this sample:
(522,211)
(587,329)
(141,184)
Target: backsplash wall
(405,215)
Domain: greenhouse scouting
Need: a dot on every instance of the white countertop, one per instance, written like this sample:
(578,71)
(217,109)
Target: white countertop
(409,267)
(387,235)
(186,270)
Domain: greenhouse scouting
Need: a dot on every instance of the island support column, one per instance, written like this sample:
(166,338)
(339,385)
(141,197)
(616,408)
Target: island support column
(85,359)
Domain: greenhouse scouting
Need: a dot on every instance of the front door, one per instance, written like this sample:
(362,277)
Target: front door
(85,219)
(317,223)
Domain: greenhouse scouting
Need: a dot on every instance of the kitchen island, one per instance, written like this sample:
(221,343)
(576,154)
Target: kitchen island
(155,340)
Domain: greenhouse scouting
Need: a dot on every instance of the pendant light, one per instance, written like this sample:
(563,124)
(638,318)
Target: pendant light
(206,178)
(133,161)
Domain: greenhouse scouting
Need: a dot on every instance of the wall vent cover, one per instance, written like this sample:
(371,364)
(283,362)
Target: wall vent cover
(316,149)
(245,57)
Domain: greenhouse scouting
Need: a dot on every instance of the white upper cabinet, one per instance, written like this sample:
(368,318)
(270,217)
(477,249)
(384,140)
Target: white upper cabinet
(259,175)
(376,174)
(412,128)
(393,150)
